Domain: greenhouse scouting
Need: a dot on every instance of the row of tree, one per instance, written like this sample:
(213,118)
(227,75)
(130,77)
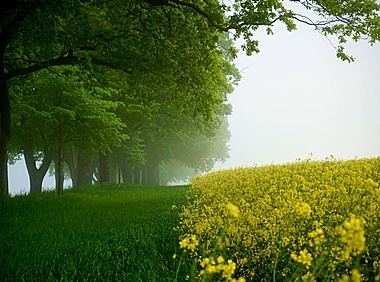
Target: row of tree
(138,83)
(94,124)
(131,88)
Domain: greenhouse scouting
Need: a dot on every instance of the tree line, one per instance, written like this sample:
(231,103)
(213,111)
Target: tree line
(121,89)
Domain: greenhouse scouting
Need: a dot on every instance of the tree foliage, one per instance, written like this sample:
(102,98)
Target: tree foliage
(61,110)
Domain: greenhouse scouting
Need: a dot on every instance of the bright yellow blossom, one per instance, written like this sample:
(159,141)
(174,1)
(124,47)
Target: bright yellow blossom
(304,258)
(190,242)
(303,209)
(352,236)
(355,275)
(308,277)
(372,183)
(233,210)
(220,259)
(240,279)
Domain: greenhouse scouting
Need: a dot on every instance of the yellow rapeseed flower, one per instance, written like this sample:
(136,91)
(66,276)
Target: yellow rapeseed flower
(240,279)
(317,237)
(190,242)
(356,276)
(352,236)
(304,258)
(372,183)
(233,210)
(303,209)
(344,278)
(229,269)
(285,208)
(308,277)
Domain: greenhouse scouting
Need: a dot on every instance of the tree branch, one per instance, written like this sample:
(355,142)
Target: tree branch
(202,13)
(70,59)
(220,27)
(66,59)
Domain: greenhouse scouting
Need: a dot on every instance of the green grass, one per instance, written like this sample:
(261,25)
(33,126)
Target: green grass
(101,233)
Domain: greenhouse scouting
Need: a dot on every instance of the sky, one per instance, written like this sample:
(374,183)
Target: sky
(295,98)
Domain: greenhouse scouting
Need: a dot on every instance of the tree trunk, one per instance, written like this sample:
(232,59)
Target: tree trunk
(104,168)
(153,172)
(127,174)
(144,175)
(84,170)
(4,190)
(59,172)
(114,171)
(36,175)
(137,175)
(5,132)
(73,167)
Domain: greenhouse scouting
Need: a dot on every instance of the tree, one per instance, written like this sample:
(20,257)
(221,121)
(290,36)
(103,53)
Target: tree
(189,140)
(174,172)
(159,42)
(195,155)
(60,111)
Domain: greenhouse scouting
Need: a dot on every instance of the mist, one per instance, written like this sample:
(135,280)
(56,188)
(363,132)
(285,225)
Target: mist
(298,100)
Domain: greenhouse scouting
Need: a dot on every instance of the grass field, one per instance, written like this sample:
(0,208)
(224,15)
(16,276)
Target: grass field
(101,233)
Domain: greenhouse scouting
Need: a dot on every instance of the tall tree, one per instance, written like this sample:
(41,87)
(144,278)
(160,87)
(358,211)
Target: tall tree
(61,112)
(187,138)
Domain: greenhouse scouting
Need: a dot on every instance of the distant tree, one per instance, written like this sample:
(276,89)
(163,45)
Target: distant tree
(134,110)
(185,138)
(174,172)
(191,141)
(195,155)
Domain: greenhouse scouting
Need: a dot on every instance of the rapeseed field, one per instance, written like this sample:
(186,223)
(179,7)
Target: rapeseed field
(302,221)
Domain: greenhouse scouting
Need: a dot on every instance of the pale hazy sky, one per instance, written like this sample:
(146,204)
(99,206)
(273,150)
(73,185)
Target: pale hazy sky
(296,97)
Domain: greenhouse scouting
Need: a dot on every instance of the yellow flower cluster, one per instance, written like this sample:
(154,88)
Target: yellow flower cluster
(303,209)
(305,258)
(317,237)
(308,277)
(354,277)
(352,236)
(316,217)
(233,210)
(211,267)
(190,242)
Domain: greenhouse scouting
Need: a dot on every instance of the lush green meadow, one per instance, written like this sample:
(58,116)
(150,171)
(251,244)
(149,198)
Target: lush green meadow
(101,233)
